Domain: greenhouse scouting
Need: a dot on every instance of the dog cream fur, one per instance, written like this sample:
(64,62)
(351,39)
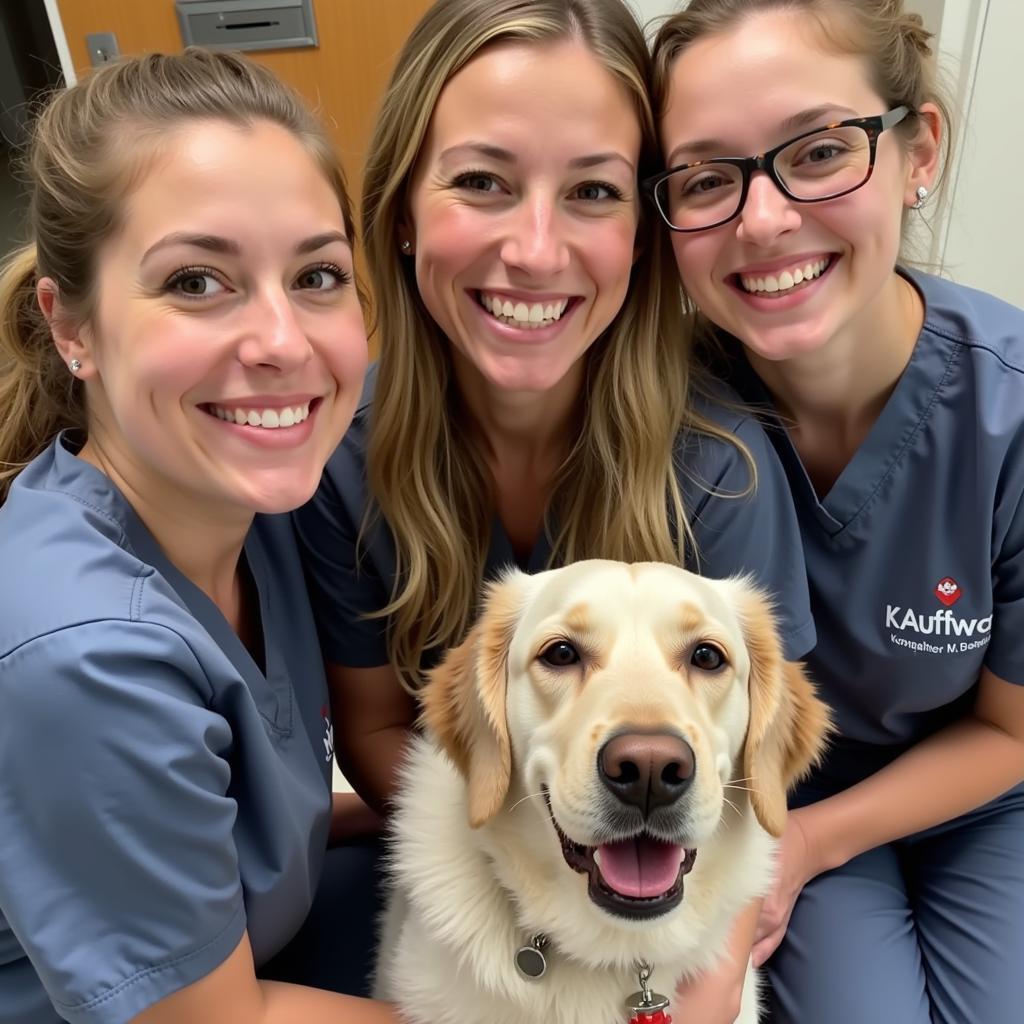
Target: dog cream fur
(478,866)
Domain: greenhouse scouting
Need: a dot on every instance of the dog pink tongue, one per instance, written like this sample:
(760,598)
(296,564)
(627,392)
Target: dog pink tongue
(640,867)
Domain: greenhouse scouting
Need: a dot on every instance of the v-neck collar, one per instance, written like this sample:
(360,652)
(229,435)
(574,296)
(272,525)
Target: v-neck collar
(886,442)
(270,690)
(501,553)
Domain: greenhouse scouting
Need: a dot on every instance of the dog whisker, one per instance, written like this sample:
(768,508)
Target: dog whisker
(529,796)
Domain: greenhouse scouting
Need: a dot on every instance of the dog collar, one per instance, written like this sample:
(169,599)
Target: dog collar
(645,1006)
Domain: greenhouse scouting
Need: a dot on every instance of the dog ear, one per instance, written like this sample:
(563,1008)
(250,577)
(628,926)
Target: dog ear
(464,700)
(788,724)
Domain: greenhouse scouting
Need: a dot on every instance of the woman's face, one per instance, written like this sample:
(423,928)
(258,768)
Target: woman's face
(743,92)
(227,350)
(523,212)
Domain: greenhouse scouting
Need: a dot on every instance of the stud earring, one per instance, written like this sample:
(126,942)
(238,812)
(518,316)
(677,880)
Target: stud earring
(922,196)
(406,246)
(74,366)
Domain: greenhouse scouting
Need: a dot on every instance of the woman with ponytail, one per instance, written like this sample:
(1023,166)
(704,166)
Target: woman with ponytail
(181,349)
(800,137)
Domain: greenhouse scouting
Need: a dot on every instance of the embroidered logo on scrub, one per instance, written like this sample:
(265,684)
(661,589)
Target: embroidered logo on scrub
(325,714)
(948,591)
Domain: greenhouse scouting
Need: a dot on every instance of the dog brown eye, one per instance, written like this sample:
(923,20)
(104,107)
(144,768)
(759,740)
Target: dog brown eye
(560,654)
(707,657)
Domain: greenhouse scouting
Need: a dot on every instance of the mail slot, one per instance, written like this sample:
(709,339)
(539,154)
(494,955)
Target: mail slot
(247,24)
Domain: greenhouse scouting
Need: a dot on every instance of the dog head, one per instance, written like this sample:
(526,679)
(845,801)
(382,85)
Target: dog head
(628,699)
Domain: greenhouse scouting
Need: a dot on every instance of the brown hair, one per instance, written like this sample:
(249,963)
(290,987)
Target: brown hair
(88,146)
(617,495)
(893,42)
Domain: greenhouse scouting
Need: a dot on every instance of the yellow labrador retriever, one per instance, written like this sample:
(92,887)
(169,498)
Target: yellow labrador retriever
(604,765)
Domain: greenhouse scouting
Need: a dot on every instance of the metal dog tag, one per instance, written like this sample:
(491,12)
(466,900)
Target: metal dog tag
(645,1006)
(530,960)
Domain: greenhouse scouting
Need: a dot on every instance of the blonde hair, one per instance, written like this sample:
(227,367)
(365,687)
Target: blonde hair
(88,146)
(894,43)
(617,495)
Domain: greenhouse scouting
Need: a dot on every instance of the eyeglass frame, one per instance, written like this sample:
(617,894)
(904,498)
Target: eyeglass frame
(873,128)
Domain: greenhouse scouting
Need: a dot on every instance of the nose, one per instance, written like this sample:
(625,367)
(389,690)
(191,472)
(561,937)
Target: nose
(647,770)
(767,212)
(274,338)
(535,242)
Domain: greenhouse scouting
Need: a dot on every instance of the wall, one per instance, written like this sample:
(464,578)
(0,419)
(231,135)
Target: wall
(343,78)
(985,221)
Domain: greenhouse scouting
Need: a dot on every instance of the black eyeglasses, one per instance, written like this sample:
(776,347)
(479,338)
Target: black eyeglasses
(821,164)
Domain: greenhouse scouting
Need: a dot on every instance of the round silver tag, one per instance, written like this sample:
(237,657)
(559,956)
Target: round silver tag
(530,963)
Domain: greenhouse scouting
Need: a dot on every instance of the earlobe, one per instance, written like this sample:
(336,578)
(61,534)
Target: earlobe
(69,336)
(924,153)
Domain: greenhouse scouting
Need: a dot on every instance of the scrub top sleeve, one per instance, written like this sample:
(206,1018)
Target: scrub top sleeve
(342,568)
(753,533)
(1005,655)
(118,869)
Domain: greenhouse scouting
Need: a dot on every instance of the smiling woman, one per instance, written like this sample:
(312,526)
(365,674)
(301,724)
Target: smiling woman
(534,402)
(182,348)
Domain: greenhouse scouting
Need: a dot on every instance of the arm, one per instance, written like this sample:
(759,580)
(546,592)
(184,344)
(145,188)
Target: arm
(373,716)
(958,769)
(352,818)
(231,994)
(715,996)
(948,774)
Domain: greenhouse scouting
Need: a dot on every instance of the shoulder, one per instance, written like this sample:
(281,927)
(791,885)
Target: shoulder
(993,330)
(68,563)
(731,439)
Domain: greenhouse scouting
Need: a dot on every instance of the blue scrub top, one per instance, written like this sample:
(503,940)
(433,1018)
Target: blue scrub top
(915,557)
(159,792)
(736,533)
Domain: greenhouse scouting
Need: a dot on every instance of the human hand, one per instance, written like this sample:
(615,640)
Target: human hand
(795,867)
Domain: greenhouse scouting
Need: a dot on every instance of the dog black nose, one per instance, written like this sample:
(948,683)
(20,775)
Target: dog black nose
(647,770)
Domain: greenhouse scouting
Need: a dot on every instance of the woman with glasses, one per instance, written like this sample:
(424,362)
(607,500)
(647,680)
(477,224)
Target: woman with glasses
(533,404)
(800,135)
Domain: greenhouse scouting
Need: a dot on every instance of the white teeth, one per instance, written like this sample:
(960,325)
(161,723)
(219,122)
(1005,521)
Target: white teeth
(786,280)
(597,856)
(519,314)
(268,419)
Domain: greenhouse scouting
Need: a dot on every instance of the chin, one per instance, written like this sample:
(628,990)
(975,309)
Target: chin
(274,498)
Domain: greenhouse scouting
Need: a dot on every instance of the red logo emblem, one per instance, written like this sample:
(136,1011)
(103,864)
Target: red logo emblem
(948,591)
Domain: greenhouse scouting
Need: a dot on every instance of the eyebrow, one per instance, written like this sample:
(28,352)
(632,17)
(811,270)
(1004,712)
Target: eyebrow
(813,117)
(228,246)
(508,157)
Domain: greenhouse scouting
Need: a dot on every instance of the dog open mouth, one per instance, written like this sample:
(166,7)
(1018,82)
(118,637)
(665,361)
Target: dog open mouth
(636,877)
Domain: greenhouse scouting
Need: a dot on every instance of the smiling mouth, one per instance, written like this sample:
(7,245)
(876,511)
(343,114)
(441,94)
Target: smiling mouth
(262,418)
(526,316)
(792,279)
(637,877)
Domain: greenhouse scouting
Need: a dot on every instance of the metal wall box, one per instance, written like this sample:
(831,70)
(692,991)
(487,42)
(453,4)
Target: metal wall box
(247,24)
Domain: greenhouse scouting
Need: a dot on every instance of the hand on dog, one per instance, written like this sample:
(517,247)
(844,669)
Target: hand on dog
(795,867)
